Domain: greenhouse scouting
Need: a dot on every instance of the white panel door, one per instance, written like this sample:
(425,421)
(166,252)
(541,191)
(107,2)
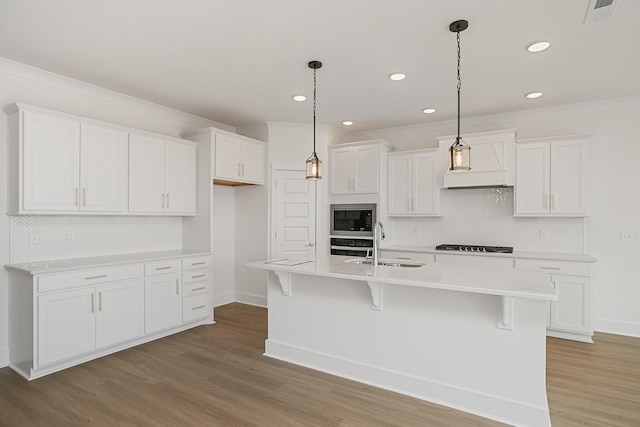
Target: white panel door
(366,169)
(51,163)
(162,302)
(146,174)
(568,177)
(425,199)
(66,325)
(532,178)
(341,170)
(119,312)
(180,177)
(293,215)
(400,185)
(227,157)
(103,169)
(252,162)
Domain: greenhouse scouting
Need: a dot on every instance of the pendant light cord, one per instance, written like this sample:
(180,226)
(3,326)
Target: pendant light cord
(459,82)
(314,111)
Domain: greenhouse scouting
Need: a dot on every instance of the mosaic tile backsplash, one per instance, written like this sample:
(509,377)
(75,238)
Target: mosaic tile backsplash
(485,217)
(45,237)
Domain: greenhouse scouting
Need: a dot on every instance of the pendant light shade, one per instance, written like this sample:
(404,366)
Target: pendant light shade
(314,165)
(459,152)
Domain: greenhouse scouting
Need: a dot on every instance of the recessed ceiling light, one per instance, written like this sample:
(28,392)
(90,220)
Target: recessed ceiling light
(347,123)
(538,46)
(397,77)
(534,95)
(429,110)
(299,98)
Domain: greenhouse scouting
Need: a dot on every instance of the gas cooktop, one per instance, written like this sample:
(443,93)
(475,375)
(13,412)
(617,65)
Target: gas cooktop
(475,248)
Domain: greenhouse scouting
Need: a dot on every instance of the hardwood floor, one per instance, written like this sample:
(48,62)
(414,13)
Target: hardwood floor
(216,376)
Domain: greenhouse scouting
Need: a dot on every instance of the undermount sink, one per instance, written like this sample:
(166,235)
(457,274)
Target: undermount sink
(385,262)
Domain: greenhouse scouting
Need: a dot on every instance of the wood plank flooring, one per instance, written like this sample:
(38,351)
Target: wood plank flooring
(216,376)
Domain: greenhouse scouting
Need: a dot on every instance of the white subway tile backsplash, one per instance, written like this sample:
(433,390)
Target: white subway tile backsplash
(485,217)
(92,236)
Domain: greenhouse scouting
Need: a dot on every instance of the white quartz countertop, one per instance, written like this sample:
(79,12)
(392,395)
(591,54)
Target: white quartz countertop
(61,265)
(550,256)
(524,283)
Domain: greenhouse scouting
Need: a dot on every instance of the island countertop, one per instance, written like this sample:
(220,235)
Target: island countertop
(510,282)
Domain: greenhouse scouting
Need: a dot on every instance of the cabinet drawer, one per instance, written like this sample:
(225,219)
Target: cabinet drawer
(196,262)
(200,275)
(196,307)
(409,256)
(54,282)
(486,261)
(161,267)
(556,267)
(195,288)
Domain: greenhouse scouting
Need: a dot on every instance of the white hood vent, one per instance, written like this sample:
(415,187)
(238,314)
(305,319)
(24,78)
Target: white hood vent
(493,160)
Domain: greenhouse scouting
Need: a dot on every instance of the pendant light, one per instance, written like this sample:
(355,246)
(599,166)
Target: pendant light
(313,163)
(459,152)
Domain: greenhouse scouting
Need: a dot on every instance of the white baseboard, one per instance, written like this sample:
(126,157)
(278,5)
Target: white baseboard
(251,299)
(617,327)
(4,357)
(484,405)
(223,299)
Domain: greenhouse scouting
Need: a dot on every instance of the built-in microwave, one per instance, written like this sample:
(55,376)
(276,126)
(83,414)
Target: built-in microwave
(353,220)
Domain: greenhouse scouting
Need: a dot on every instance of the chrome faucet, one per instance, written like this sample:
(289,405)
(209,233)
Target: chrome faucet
(377,226)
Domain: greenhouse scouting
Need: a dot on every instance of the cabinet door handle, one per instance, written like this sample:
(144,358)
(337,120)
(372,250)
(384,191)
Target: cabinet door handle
(553,202)
(197,263)
(197,276)
(197,289)
(102,276)
(99,301)
(551,268)
(167,200)
(544,201)
(84,197)
(162,196)
(163,268)
(93,303)
(243,169)
(77,196)
(198,307)
(239,170)
(177,287)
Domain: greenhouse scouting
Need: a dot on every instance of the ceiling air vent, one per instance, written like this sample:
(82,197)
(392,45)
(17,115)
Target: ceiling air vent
(600,10)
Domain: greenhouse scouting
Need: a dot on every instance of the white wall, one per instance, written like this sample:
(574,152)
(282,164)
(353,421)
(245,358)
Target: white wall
(615,198)
(94,235)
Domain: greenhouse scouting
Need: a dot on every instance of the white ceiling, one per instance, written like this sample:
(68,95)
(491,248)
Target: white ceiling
(238,62)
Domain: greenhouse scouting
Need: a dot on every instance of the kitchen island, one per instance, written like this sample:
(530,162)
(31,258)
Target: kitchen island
(471,338)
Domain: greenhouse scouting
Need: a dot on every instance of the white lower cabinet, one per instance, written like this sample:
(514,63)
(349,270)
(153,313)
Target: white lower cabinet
(58,320)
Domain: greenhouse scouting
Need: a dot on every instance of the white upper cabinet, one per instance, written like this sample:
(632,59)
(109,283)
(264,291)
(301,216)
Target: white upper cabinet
(103,169)
(65,164)
(551,177)
(162,175)
(354,168)
(51,150)
(413,188)
(238,160)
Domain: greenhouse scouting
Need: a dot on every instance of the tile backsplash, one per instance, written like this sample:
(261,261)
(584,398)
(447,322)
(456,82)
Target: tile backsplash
(485,217)
(45,237)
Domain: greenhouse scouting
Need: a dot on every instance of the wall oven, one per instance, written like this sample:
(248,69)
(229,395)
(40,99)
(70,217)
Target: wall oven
(352,229)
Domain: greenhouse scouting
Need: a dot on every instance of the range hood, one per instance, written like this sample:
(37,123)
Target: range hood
(493,159)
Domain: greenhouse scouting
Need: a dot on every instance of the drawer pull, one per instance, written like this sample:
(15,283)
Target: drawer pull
(93,303)
(198,307)
(551,268)
(198,289)
(163,268)
(197,263)
(177,287)
(404,257)
(99,301)
(102,276)
(199,275)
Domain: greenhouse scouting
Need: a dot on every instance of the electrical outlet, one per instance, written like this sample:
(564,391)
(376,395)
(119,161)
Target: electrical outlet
(630,236)
(544,234)
(70,237)
(34,238)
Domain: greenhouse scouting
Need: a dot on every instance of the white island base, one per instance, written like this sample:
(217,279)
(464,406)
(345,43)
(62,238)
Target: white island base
(439,345)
